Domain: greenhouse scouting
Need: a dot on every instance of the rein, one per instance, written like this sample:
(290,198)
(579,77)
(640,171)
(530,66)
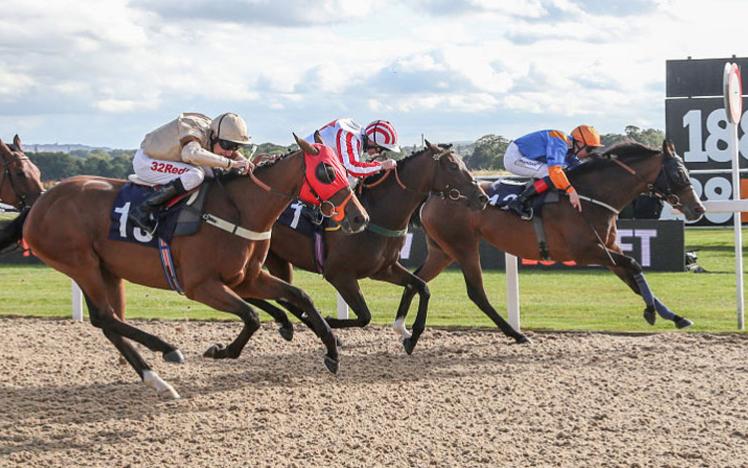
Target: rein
(447,193)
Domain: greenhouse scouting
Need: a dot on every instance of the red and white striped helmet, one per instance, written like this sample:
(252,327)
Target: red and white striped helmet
(382,133)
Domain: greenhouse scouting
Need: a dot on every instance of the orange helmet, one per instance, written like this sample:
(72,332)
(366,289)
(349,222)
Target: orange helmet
(587,136)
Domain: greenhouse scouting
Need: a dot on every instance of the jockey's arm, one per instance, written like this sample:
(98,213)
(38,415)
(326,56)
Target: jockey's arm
(559,179)
(193,153)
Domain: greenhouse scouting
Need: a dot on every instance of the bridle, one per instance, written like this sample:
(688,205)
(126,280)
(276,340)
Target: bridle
(447,193)
(6,176)
(326,207)
(670,179)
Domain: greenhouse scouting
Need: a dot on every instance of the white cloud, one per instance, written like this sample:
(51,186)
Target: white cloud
(464,65)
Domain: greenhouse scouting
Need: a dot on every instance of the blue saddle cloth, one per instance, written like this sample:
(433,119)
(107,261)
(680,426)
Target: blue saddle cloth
(501,192)
(300,218)
(122,230)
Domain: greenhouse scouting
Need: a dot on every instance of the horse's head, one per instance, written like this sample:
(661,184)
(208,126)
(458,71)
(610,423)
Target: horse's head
(673,184)
(20,181)
(326,185)
(452,178)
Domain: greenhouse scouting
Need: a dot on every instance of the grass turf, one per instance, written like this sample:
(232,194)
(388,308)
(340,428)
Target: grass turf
(568,300)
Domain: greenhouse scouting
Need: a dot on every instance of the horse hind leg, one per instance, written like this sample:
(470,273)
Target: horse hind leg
(102,317)
(471,271)
(220,297)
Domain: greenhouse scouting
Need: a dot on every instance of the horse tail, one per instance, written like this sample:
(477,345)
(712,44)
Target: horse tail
(12,233)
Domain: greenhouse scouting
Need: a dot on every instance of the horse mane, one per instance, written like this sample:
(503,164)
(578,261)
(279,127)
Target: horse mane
(405,160)
(626,149)
(273,161)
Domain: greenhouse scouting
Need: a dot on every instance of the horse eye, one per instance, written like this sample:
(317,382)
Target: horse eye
(21,174)
(325,173)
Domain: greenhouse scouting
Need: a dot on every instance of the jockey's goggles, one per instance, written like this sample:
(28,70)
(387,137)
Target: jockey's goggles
(229,145)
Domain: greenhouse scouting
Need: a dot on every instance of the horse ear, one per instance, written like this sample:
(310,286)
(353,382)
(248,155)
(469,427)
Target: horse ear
(318,137)
(5,152)
(17,142)
(305,146)
(432,146)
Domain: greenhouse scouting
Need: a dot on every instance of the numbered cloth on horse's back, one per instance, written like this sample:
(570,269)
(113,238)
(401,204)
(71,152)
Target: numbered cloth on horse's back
(122,230)
(502,191)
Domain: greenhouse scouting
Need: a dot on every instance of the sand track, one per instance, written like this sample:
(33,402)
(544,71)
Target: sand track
(464,398)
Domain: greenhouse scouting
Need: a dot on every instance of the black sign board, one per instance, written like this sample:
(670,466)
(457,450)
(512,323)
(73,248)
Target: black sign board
(656,244)
(696,122)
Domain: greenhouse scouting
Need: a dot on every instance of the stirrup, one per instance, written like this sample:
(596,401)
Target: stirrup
(148,227)
(527,215)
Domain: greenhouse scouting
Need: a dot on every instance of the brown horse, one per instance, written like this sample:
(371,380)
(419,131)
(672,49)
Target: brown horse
(606,184)
(20,180)
(68,229)
(390,200)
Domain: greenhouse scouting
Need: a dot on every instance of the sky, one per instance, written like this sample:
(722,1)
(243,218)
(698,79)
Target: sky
(106,73)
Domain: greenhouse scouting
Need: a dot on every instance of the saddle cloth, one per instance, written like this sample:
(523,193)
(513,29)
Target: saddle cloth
(502,191)
(180,218)
(302,219)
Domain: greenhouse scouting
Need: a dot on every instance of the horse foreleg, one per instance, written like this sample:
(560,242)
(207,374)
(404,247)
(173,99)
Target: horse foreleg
(350,291)
(397,274)
(632,274)
(436,261)
(266,286)
(220,297)
(285,327)
(284,270)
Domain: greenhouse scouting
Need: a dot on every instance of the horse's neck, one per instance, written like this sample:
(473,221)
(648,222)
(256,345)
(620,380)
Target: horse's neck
(390,204)
(258,209)
(615,186)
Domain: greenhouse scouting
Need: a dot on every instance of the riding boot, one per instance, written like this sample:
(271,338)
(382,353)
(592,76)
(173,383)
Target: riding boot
(520,205)
(144,214)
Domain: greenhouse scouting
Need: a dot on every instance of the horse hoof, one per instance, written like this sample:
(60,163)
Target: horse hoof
(174,357)
(332,364)
(409,345)
(214,351)
(683,323)
(522,339)
(286,331)
(649,315)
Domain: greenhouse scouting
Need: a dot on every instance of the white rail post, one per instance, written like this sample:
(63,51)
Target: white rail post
(733,95)
(512,290)
(342,307)
(77,302)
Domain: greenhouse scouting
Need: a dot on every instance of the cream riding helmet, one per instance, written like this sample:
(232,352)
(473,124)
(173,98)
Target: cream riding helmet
(230,131)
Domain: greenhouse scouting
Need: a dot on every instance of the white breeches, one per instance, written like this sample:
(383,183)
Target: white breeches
(159,172)
(515,163)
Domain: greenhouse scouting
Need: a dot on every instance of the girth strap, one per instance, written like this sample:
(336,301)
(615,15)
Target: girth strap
(537,225)
(235,229)
(382,231)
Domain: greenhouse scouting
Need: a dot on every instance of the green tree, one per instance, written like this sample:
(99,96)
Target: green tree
(651,137)
(488,153)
